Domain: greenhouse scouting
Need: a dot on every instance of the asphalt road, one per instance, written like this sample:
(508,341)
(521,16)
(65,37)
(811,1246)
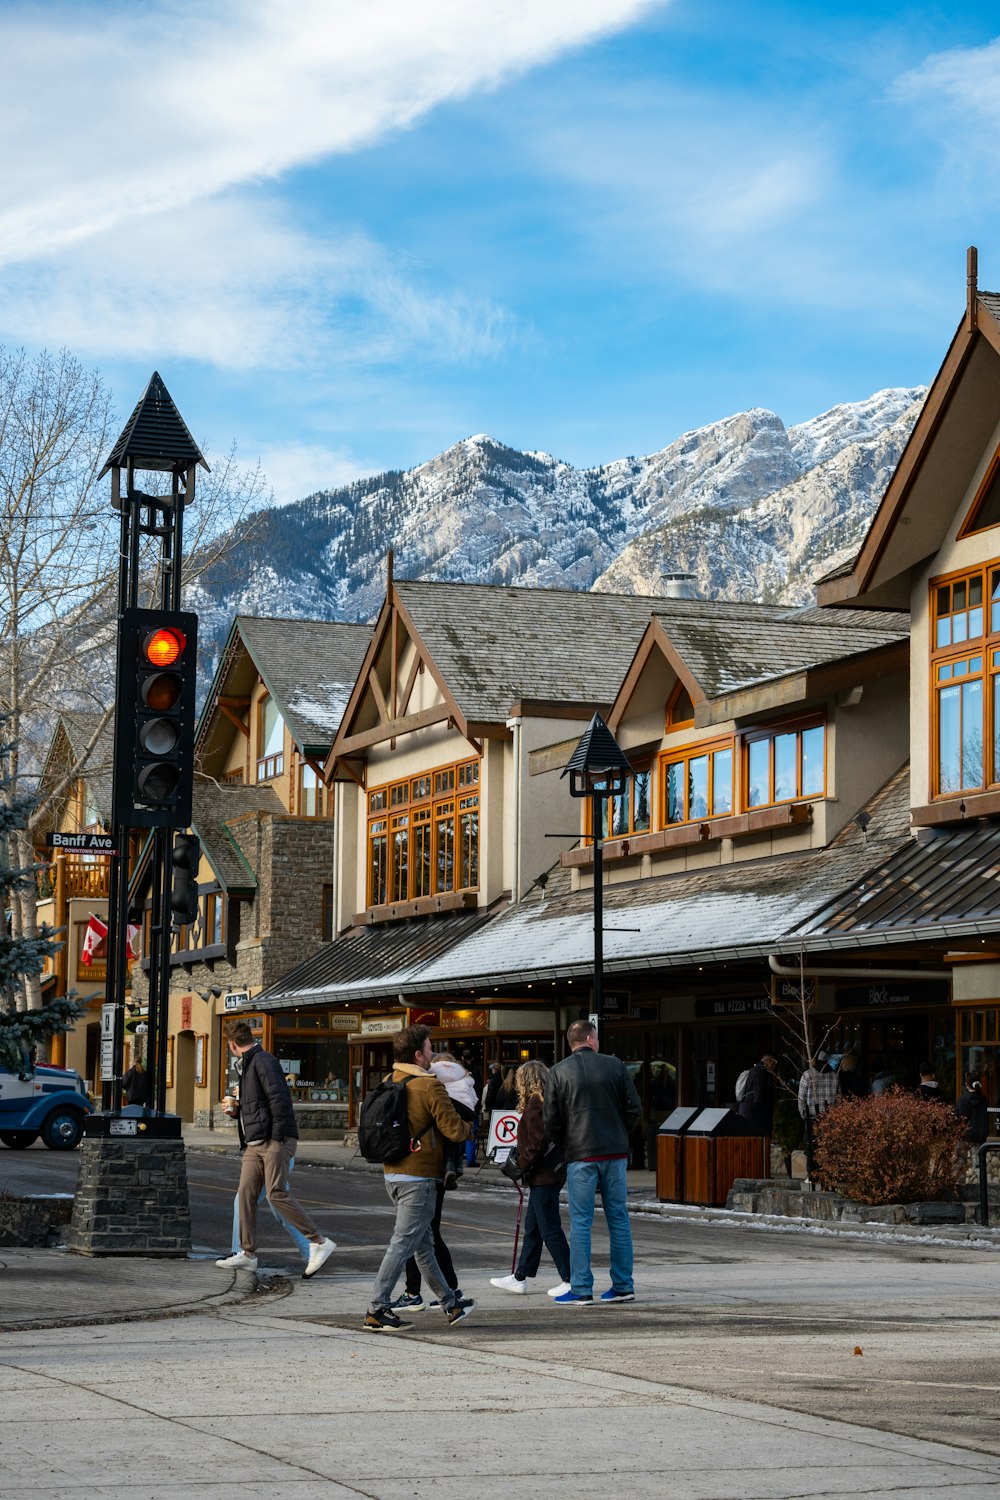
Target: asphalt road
(774,1317)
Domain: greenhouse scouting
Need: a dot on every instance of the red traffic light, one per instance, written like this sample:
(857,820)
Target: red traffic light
(163,647)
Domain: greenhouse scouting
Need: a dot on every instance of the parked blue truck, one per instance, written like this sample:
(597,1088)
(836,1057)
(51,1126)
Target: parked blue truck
(42,1101)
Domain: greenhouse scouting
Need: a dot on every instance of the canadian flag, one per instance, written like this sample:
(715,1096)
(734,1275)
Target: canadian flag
(96,932)
(134,946)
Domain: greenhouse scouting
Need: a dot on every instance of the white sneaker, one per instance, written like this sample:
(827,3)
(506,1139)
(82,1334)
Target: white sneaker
(560,1290)
(241,1261)
(318,1256)
(509,1284)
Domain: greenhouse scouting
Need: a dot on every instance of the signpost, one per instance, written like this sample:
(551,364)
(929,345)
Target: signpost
(107,1040)
(503,1133)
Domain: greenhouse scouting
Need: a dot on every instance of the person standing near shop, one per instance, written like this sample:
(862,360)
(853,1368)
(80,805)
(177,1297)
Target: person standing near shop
(819,1088)
(974,1110)
(268,1139)
(757,1104)
(591,1107)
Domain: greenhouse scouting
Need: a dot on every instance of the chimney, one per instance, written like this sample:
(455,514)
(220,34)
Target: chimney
(680,586)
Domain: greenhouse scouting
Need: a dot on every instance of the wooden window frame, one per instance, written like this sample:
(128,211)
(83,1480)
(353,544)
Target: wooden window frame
(269,767)
(642,767)
(773,732)
(952,652)
(425,803)
(302,766)
(670,724)
(969,526)
(686,753)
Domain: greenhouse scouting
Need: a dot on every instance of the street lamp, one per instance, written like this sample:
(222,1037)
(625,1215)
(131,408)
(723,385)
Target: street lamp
(598,769)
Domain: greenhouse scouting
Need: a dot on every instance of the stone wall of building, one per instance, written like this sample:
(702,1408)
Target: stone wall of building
(293,861)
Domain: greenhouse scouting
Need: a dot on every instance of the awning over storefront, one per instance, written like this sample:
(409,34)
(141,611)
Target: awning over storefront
(942,886)
(372,963)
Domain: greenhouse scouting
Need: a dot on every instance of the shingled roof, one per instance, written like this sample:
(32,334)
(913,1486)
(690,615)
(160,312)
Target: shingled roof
(214,808)
(308,666)
(78,726)
(728,647)
(720,914)
(497,645)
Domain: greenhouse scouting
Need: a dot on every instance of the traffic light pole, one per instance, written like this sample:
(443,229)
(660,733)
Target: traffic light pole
(160,517)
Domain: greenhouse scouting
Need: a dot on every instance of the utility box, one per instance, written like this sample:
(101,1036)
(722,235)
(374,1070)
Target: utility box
(670,1153)
(717,1150)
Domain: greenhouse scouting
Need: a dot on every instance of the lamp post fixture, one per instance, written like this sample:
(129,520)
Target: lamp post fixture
(598,769)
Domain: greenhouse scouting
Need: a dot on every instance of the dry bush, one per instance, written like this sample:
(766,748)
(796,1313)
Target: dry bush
(890,1148)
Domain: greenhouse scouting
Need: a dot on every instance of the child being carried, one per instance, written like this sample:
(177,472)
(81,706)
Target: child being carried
(462,1092)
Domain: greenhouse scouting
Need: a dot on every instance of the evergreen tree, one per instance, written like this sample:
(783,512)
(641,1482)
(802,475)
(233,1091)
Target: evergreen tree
(22,957)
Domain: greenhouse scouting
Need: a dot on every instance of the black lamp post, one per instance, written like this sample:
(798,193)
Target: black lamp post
(598,769)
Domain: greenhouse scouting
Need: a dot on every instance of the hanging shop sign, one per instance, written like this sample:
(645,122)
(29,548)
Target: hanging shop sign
(235,999)
(382,1025)
(888,994)
(343,1020)
(420,1016)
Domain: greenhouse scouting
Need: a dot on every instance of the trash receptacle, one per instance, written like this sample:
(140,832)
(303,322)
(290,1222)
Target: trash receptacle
(670,1153)
(717,1150)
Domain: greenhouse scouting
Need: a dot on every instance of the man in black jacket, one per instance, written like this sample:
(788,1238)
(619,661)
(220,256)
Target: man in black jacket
(268,1138)
(591,1107)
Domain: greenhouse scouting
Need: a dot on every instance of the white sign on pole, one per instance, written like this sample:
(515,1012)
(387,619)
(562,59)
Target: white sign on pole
(503,1130)
(107,1040)
(594,1020)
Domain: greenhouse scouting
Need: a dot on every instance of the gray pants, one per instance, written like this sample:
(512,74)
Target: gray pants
(415,1201)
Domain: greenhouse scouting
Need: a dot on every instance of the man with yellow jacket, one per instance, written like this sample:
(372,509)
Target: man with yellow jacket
(412,1182)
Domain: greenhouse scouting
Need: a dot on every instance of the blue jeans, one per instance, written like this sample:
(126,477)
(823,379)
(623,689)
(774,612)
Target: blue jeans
(542,1226)
(298,1240)
(415,1200)
(583,1179)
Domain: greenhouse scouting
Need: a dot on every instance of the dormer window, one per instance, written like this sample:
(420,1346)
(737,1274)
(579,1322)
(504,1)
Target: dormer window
(696,783)
(783,765)
(629,812)
(423,835)
(270,741)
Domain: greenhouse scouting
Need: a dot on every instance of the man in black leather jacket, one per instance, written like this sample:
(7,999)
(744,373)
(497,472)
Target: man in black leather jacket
(591,1107)
(268,1138)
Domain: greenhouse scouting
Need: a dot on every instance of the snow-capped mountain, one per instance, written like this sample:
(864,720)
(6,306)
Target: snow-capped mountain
(754,509)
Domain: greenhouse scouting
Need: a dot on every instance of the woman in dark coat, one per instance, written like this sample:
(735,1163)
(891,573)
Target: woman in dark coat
(973,1109)
(757,1104)
(542,1225)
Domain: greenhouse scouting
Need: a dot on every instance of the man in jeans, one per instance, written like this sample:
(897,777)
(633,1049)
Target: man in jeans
(268,1138)
(591,1106)
(412,1183)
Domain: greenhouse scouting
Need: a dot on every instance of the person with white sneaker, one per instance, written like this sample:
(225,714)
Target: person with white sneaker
(544,1174)
(591,1107)
(268,1134)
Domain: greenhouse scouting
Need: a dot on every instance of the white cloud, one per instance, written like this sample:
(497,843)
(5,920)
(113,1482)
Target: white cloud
(295,470)
(109,115)
(966,80)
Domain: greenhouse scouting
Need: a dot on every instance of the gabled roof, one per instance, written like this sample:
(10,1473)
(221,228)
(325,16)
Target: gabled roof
(155,435)
(495,645)
(74,730)
(937,465)
(721,649)
(213,809)
(308,667)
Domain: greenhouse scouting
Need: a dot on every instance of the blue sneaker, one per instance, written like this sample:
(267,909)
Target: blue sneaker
(570,1299)
(614,1295)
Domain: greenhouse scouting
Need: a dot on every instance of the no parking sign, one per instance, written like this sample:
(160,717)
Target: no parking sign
(503,1130)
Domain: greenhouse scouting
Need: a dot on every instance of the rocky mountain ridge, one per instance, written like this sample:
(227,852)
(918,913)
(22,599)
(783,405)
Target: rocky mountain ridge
(753,509)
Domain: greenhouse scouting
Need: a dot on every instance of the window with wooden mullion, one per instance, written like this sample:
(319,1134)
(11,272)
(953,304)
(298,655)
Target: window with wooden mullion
(628,812)
(784,765)
(427,846)
(965,701)
(696,783)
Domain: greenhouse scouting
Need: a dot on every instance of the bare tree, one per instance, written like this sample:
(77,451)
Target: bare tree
(59,540)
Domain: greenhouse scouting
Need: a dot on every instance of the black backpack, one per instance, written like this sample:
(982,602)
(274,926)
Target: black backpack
(383,1129)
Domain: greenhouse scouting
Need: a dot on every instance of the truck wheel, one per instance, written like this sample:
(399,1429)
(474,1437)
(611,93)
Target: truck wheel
(18,1140)
(63,1129)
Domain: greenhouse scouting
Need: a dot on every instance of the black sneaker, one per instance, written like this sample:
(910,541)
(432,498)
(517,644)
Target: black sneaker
(450,1181)
(383,1320)
(410,1302)
(459,1310)
(460,1301)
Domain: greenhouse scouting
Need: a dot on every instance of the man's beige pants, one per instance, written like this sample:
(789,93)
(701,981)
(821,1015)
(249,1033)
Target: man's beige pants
(267,1166)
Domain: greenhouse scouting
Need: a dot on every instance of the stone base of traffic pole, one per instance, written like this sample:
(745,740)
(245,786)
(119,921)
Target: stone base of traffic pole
(132,1192)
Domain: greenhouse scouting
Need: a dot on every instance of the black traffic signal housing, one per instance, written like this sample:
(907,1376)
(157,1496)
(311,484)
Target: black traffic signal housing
(185,857)
(155,718)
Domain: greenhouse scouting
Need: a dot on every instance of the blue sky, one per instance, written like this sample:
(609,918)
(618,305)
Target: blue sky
(350,234)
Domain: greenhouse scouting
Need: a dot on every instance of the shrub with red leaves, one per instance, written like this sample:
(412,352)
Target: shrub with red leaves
(890,1148)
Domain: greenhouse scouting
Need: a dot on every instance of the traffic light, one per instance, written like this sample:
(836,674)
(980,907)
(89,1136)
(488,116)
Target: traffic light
(186,857)
(155,718)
